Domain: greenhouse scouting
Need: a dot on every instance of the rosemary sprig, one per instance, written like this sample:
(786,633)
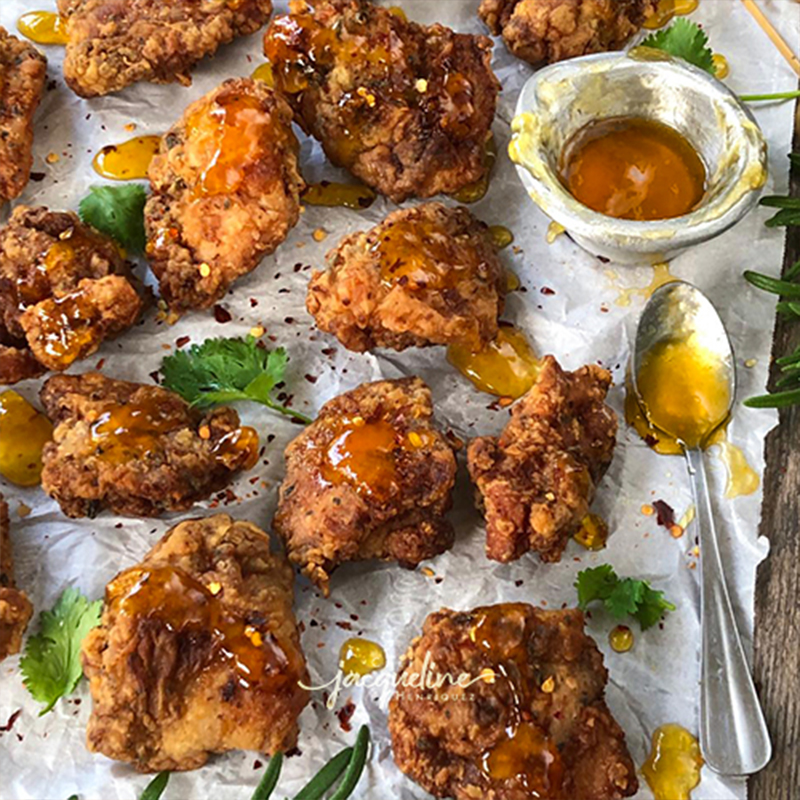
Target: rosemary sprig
(326,777)
(270,778)
(156,787)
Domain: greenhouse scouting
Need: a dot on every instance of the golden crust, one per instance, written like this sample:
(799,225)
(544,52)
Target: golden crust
(208,223)
(114,43)
(64,289)
(23,70)
(536,481)
(327,521)
(15,608)
(547,675)
(406,108)
(182,458)
(545,31)
(165,696)
(424,276)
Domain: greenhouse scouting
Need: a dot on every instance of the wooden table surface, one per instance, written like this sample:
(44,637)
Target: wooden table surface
(777,634)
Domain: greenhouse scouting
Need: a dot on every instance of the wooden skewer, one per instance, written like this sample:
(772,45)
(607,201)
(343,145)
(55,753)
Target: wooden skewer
(773,34)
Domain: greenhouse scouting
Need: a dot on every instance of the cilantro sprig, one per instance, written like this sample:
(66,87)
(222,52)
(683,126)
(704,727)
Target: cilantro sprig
(622,596)
(117,211)
(226,370)
(51,665)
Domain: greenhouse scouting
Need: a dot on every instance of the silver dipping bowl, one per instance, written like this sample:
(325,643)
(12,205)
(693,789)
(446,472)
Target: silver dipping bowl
(561,99)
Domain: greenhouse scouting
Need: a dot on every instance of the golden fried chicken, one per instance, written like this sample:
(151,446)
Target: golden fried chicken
(536,481)
(512,708)
(114,43)
(136,449)
(541,31)
(197,652)
(369,479)
(64,289)
(406,108)
(426,275)
(226,192)
(23,70)
(15,608)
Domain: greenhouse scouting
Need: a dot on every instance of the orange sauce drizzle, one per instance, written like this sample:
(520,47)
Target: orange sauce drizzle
(24,432)
(128,160)
(182,604)
(68,327)
(633,168)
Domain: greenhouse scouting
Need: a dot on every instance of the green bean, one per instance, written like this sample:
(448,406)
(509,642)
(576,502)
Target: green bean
(270,779)
(326,777)
(156,787)
(355,767)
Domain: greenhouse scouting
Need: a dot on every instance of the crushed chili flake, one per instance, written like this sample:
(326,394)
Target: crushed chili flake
(665,514)
(345,714)
(222,315)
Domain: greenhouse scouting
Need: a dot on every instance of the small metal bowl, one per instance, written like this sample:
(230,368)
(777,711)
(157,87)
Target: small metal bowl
(561,99)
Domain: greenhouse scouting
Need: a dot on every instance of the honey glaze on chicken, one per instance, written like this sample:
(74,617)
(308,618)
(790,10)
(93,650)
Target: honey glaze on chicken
(169,596)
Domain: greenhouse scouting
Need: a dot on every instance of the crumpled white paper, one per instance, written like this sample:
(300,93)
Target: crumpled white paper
(657,682)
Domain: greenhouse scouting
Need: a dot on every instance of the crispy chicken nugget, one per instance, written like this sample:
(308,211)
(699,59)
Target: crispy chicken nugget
(536,481)
(226,192)
(64,289)
(369,479)
(198,651)
(545,31)
(136,449)
(23,70)
(114,43)
(406,108)
(511,707)
(424,276)
(15,608)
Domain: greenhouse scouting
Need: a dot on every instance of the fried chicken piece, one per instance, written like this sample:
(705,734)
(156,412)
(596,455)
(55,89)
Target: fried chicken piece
(406,108)
(536,481)
(370,478)
(15,608)
(198,651)
(226,192)
(136,449)
(545,31)
(23,70)
(64,289)
(424,276)
(114,43)
(518,712)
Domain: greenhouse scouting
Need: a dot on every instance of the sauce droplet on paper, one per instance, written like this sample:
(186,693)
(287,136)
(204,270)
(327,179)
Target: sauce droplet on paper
(593,533)
(24,432)
(621,639)
(506,367)
(264,73)
(331,195)
(500,236)
(661,276)
(667,10)
(361,657)
(128,160)
(477,190)
(673,767)
(43,27)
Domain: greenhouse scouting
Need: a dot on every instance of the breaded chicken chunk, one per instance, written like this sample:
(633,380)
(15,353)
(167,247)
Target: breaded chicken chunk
(426,275)
(136,449)
(64,289)
(545,31)
(198,651)
(114,43)
(226,192)
(406,108)
(23,70)
(15,608)
(536,481)
(369,479)
(512,708)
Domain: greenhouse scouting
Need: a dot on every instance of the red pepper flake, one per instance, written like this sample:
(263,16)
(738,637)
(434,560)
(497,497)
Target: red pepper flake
(345,714)
(665,514)
(547,290)
(311,378)
(183,340)
(222,315)
(257,764)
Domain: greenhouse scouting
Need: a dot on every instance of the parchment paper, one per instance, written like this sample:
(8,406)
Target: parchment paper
(45,758)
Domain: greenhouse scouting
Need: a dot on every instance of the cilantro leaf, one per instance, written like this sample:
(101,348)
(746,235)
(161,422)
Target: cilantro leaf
(622,596)
(51,665)
(117,211)
(684,39)
(225,370)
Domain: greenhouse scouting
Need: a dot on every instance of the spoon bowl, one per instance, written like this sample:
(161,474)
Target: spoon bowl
(679,322)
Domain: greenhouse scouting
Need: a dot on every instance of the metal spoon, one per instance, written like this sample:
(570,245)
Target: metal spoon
(733,732)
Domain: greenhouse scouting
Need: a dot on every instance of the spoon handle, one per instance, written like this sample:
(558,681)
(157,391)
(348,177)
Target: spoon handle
(733,732)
